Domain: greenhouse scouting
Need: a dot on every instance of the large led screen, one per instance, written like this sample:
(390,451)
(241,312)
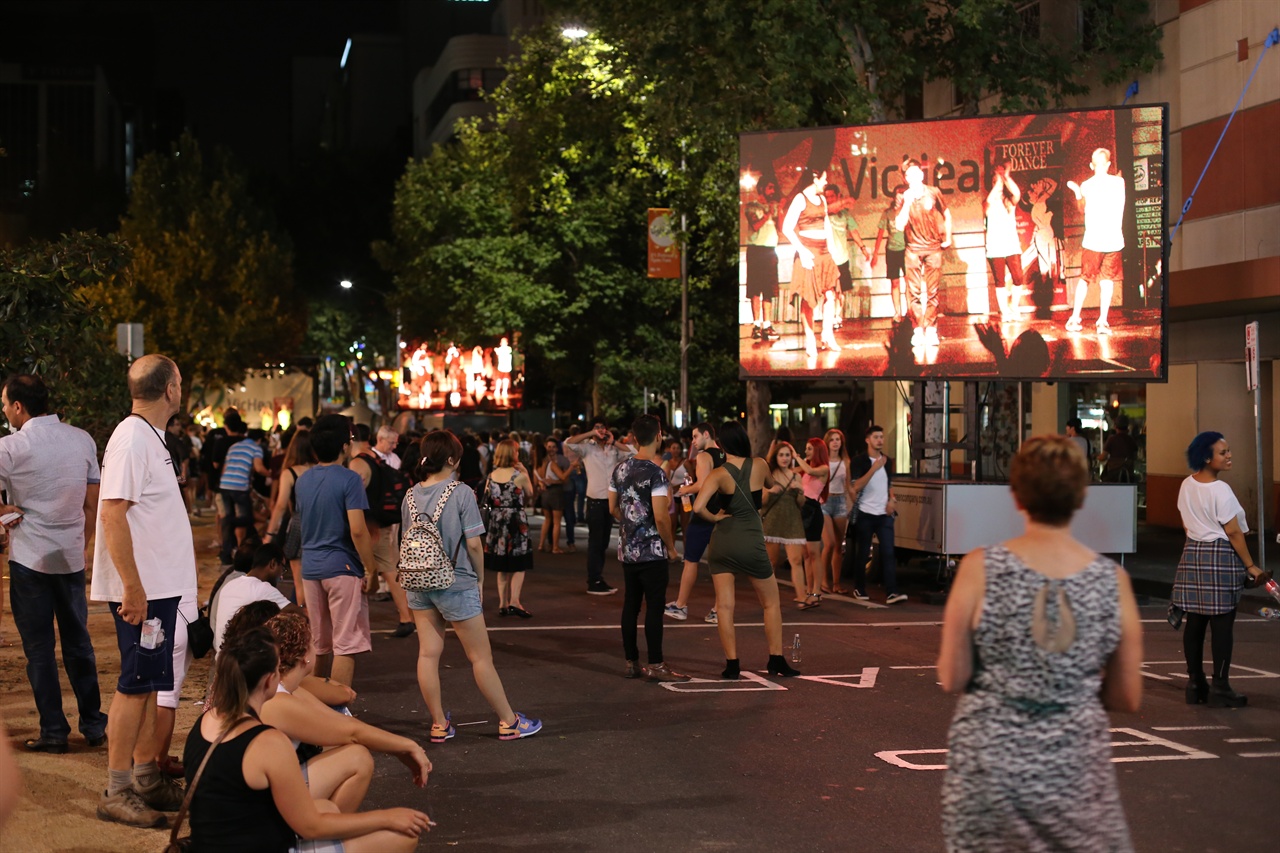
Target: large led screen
(448,376)
(994,247)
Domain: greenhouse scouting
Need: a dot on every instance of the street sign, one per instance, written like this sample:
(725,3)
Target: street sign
(1251,356)
(129,340)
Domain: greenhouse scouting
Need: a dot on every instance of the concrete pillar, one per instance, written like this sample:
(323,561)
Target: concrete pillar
(1172,410)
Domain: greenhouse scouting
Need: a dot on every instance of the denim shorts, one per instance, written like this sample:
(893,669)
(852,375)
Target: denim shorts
(458,603)
(835,507)
(146,670)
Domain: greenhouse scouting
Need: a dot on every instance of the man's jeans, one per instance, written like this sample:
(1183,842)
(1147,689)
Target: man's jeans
(237,511)
(37,599)
(599,523)
(858,548)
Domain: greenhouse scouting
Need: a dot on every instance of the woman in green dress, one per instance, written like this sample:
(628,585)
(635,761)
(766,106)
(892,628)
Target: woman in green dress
(737,546)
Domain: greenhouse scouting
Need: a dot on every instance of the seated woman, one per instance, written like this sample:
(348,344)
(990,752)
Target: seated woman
(251,794)
(341,772)
(254,615)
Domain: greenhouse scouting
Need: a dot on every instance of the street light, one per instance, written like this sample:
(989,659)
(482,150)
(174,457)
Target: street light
(346,284)
(574,33)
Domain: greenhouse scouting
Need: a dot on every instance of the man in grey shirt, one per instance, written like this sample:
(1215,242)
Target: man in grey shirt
(600,454)
(50,473)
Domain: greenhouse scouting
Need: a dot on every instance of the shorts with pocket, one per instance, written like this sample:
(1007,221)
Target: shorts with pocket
(458,603)
(146,670)
(339,614)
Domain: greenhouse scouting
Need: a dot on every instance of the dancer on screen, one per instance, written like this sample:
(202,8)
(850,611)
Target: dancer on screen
(1004,251)
(844,228)
(894,252)
(1102,200)
(762,258)
(926,222)
(814,275)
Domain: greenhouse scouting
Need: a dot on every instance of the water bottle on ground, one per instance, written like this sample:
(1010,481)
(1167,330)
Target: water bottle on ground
(1273,587)
(1269,613)
(795,649)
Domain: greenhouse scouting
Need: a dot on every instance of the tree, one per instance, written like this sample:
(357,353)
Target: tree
(211,279)
(718,68)
(48,328)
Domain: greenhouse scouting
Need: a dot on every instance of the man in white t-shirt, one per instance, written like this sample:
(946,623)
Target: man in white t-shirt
(875,509)
(258,585)
(385,448)
(1102,200)
(144,562)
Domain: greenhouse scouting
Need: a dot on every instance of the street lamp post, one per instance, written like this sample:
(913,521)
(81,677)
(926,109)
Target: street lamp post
(347,284)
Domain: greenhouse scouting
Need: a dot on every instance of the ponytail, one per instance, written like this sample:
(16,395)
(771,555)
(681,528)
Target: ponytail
(241,665)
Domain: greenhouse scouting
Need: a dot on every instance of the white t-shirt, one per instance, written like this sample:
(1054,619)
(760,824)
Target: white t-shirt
(137,468)
(236,593)
(1205,507)
(839,477)
(875,495)
(1002,228)
(1103,213)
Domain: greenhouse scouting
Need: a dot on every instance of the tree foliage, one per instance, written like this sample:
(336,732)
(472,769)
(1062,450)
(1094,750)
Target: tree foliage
(211,278)
(48,328)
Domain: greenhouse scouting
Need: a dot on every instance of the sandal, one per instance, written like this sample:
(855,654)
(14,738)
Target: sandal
(811,601)
(838,590)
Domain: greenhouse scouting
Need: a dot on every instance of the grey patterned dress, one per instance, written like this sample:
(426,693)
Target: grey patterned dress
(1029,766)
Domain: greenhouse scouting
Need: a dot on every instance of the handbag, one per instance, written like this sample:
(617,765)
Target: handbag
(199,632)
(182,845)
(293,533)
(486,503)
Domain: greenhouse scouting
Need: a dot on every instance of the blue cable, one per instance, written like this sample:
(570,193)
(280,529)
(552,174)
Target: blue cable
(1272,39)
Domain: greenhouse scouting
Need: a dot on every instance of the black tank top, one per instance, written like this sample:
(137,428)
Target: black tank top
(716,502)
(227,816)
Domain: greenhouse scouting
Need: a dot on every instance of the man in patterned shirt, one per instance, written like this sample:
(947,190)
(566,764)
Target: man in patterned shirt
(638,498)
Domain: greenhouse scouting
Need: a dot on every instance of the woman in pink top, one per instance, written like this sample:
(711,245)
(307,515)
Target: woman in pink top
(816,468)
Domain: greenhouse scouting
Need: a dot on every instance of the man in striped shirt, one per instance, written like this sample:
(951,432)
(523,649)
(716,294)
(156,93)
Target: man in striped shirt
(243,459)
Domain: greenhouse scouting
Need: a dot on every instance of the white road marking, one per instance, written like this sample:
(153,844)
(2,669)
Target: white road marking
(894,757)
(866,678)
(1260,755)
(1184,752)
(749,683)
(1188,728)
(1249,740)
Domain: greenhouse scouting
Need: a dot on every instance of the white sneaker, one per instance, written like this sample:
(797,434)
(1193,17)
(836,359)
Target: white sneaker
(896,598)
(931,336)
(676,612)
(710,618)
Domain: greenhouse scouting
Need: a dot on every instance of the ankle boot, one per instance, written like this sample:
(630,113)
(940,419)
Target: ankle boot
(1222,696)
(1197,689)
(731,669)
(778,666)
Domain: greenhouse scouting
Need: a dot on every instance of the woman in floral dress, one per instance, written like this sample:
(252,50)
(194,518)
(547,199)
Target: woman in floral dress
(506,544)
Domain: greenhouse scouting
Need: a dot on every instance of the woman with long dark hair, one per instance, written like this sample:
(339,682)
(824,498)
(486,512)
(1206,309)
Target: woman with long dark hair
(251,794)
(1214,568)
(298,459)
(780,514)
(737,546)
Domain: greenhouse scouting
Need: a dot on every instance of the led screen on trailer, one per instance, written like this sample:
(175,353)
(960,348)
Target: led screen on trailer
(450,376)
(996,247)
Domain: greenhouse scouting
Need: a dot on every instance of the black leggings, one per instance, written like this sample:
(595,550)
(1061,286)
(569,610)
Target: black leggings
(645,582)
(1223,638)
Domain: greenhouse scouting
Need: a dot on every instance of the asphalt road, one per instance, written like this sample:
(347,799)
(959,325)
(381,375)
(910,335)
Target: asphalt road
(845,758)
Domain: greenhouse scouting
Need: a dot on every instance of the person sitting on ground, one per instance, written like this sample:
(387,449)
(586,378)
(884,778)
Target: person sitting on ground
(252,794)
(259,584)
(256,614)
(341,772)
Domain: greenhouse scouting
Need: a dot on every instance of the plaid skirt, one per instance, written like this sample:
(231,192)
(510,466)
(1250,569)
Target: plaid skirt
(1209,579)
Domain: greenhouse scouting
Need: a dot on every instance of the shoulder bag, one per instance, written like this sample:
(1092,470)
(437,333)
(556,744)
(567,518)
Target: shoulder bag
(181,845)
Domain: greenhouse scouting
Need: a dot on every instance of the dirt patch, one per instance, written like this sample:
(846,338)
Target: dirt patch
(60,792)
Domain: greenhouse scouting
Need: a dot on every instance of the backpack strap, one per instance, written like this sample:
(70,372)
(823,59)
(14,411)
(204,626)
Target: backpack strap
(444,499)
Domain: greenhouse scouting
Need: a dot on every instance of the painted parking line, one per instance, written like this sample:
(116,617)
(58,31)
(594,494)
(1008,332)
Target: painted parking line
(1238,671)
(748,683)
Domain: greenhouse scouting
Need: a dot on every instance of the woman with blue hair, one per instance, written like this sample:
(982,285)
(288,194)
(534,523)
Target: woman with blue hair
(1214,568)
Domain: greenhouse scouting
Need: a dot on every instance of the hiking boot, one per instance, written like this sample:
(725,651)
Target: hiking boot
(128,808)
(163,794)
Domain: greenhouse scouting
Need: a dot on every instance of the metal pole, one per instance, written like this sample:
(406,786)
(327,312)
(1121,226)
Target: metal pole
(945,465)
(1262,494)
(1022,430)
(684,319)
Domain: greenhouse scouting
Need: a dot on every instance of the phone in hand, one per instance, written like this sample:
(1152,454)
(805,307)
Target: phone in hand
(9,518)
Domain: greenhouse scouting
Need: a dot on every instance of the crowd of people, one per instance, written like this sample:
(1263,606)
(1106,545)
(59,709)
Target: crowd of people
(1040,634)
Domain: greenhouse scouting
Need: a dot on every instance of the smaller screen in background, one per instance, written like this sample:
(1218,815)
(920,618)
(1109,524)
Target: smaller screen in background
(997,247)
(447,376)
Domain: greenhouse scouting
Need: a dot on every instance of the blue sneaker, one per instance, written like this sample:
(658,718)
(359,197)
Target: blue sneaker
(522,727)
(440,734)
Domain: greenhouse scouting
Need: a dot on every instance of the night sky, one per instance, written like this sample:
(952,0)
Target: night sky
(231,61)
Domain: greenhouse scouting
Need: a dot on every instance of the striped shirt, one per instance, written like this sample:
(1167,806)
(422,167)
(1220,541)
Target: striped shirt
(239,465)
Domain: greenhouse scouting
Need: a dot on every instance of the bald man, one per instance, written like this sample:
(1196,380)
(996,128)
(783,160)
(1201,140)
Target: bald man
(144,563)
